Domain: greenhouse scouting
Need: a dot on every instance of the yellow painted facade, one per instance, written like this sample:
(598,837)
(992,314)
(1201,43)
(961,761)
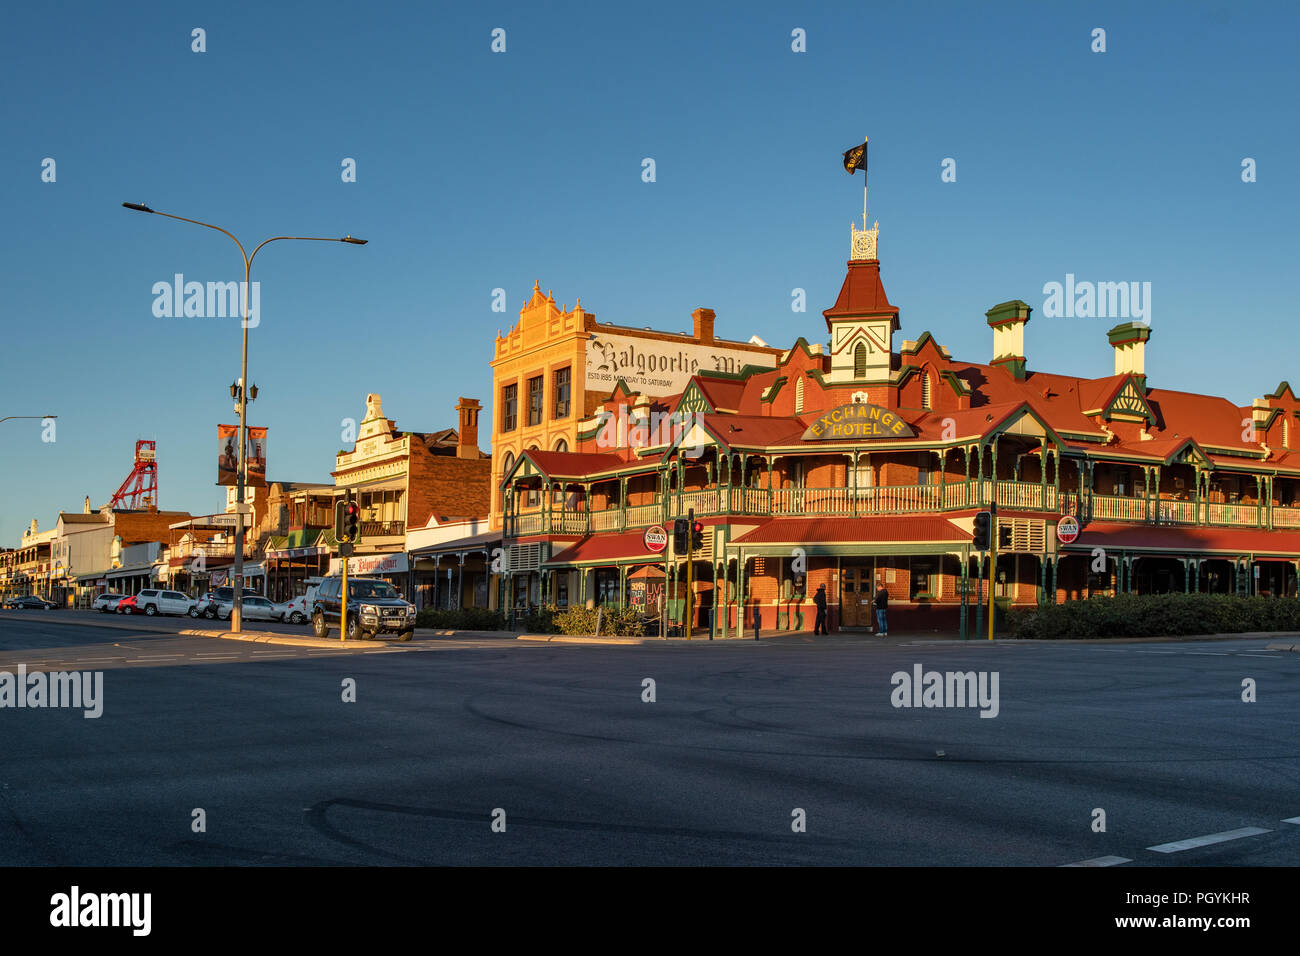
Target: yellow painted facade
(550,340)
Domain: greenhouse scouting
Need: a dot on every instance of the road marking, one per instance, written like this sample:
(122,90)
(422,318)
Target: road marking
(158,657)
(1100,861)
(1207,653)
(1295,820)
(1212,838)
(1271,657)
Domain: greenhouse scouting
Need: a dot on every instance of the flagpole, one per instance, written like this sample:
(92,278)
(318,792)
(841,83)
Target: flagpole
(864,185)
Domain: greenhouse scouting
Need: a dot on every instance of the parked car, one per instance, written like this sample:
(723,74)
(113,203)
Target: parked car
(107,602)
(254,608)
(32,602)
(153,601)
(373,608)
(295,610)
(208,604)
(126,605)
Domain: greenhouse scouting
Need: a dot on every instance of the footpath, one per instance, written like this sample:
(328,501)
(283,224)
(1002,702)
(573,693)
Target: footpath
(138,624)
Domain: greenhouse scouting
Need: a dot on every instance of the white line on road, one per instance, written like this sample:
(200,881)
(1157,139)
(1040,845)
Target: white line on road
(1208,653)
(1292,820)
(1212,838)
(1271,657)
(1100,861)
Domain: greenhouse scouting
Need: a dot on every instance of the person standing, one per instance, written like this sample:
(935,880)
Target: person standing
(819,599)
(882,607)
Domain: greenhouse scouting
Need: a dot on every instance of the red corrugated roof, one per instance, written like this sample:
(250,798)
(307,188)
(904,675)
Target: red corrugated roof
(608,547)
(862,294)
(844,530)
(579,464)
(1180,540)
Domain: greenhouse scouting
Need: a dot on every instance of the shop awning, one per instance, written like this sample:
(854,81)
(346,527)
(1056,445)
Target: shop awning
(131,571)
(296,553)
(90,578)
(886,528)
(477,542)
(1174,540)
(624,547)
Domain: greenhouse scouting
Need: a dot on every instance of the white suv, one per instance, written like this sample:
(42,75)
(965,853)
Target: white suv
(153,602)
(107,602)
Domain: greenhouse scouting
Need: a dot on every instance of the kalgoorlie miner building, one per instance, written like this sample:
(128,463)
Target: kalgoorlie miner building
(859,462)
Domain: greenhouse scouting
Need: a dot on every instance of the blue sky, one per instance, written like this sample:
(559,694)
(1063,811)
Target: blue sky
(478,170)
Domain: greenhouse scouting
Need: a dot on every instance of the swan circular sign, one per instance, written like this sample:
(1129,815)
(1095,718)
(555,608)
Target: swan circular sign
(1067,529)
(655,539)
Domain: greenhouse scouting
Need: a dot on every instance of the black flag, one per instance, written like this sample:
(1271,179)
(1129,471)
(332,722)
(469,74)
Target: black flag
(856,158)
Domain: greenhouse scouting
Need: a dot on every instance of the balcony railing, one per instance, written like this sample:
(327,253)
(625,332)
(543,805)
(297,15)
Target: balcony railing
(903,499)
(382,529)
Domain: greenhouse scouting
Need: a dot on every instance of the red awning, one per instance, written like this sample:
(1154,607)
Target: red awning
(1186,540)
(855,530)
(621,547)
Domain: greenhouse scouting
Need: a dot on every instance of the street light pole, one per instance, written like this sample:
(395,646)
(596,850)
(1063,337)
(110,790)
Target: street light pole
(241,475)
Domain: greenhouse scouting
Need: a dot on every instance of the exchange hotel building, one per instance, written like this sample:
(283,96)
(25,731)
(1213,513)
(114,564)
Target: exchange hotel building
(856,464)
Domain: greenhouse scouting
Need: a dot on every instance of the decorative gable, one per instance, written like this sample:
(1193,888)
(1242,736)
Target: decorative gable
(694,401)
(1129,404)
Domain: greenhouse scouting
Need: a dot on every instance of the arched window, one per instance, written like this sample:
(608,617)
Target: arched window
(925,389)
(798,396)
(561,445)
(860,361)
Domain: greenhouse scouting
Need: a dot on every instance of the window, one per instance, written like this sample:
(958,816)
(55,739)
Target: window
(925,390)
(535,401)
(798,396)
(561,445)
(562,393)
(860,361)
(509,408)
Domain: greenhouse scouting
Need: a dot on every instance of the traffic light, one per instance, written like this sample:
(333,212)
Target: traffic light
(1004,536)
(338,520)
(697,536)
(681,535)
(351,521)
(983,531)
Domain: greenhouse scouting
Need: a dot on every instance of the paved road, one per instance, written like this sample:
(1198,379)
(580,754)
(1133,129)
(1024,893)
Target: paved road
(558,736)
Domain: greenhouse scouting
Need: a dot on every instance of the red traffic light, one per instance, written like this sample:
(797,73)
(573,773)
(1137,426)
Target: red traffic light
(350,510)
(699,527)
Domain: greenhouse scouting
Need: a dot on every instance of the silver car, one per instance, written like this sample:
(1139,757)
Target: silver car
(256,608)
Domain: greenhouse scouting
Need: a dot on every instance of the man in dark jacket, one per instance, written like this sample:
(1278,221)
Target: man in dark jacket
(819,599)
(882,605)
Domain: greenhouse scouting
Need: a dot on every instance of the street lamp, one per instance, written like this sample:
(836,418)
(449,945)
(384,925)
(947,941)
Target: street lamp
(244,396)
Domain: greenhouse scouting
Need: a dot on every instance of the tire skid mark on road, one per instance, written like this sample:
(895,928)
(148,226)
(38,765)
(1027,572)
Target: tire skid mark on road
(317,818)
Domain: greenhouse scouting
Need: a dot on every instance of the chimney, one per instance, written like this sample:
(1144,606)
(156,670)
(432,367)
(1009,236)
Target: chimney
(1008,320)
(85,508)
(1129,340)
(467,433)
(703,325)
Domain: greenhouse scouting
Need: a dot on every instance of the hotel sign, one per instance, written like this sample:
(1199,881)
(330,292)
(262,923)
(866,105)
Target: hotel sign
(860,420)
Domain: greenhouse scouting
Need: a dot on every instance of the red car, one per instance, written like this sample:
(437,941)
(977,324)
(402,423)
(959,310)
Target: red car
(127,605)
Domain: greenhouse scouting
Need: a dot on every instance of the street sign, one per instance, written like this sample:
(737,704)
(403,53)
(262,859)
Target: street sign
(655,539)
(1067,529)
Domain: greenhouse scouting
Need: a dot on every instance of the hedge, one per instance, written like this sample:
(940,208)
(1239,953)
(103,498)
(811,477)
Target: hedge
(1156,615)
(614,621)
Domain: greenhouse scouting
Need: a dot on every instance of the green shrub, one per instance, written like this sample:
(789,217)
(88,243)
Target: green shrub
(615,621)
(1156,615)
(462,619)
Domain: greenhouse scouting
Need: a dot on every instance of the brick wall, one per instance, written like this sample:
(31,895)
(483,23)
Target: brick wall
(142,526)
(441,484)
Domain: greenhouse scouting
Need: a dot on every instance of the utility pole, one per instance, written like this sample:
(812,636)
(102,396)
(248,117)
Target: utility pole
(690,572)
